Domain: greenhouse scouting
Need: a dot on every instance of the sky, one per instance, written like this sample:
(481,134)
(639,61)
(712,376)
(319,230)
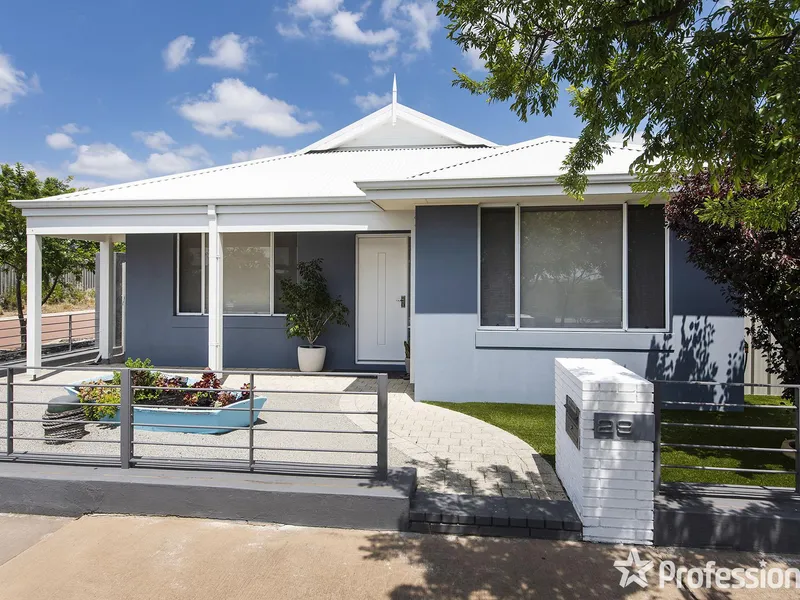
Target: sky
(120,90)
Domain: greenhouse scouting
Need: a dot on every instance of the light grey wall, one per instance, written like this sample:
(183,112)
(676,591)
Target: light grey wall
(456,362)
(154,330)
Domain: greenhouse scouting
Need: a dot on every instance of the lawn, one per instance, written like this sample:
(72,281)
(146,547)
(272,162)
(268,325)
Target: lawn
(535,424)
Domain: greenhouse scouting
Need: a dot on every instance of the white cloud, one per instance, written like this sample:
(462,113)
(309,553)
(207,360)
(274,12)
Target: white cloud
(106,161)
(388,8)
(13,82)
(372,101)
(340,79)
(183,159)
(292,30)
(231,102)
(390,51)
(59,141)
(472,56)
(255,153)
(176,54)
(423,21)
(314,8)
(228,52)
(155,140)
(380,70)
(73,128)
(344,26)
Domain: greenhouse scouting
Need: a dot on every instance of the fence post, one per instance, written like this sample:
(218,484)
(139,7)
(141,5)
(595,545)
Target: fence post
(125,418)
(10,411)
(383,426)
(69,323)
(657,445)
(797,440)
(252,401)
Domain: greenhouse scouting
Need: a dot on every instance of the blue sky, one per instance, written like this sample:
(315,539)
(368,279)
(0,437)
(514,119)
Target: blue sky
(126,89)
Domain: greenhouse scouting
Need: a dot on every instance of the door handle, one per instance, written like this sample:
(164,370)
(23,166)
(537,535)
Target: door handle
(402,301)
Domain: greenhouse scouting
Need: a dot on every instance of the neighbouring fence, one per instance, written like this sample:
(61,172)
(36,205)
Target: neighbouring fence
(295,430)
(756,367)
(85,280)
(751,444)
(61,332)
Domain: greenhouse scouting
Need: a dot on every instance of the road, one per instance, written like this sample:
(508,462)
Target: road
(133,558)
(55,327)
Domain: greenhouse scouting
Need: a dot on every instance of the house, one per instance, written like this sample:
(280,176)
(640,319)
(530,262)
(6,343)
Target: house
(469,249)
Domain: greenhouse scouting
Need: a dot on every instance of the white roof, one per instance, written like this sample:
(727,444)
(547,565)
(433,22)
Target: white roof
(393,144)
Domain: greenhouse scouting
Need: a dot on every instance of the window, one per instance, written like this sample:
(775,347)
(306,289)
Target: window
(250,272)
(550,267)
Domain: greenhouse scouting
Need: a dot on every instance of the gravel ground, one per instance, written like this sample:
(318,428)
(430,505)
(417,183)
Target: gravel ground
(109,435)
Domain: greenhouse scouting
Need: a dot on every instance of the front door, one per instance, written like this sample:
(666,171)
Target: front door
(382,299)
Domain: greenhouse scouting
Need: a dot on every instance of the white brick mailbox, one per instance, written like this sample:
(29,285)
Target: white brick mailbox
(605,431)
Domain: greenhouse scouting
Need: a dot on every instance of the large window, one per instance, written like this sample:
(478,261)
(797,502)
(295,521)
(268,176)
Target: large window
(573,268)
(251,272)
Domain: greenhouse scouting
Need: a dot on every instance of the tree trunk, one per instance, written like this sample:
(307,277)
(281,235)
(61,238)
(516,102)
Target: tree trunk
(23,325)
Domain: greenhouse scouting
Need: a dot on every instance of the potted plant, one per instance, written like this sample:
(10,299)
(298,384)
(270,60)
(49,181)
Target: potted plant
(309,309)
(407,348)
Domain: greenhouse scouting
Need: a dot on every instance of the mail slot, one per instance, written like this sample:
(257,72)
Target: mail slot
(624,426)
(572,423)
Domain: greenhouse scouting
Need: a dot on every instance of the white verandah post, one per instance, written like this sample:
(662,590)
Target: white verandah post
(215,329)
(33,342)
(105,299)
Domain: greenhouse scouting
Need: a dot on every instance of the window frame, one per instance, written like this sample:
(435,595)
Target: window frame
(518,275)
(203,246)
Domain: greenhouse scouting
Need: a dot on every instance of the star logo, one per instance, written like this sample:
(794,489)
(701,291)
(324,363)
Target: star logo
(634,569)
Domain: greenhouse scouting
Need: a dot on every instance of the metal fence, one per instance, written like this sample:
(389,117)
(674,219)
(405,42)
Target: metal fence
(85,280)
(740,431)
(60,333)
(130,421)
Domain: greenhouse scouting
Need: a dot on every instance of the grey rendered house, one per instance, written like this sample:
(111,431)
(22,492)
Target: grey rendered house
(431,234)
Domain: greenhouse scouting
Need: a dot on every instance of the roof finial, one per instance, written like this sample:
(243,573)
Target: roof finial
(394,100)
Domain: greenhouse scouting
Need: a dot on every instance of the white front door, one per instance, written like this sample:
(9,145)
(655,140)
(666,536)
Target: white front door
(383,301)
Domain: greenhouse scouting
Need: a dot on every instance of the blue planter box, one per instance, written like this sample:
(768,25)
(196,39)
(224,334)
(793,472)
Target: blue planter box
(183,419)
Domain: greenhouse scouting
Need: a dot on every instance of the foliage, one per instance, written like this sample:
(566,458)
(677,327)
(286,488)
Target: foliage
(60,257)
(309,305)
(704,84)
(209,381)
(143,374)
(99,395)
(407,349)
(758,268)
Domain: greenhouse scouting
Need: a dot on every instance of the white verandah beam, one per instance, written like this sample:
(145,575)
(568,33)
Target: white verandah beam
(33,341)
(105,299)
(215,304)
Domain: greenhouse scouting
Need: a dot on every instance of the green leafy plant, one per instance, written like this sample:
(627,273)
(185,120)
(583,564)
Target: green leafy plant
(407,348)
(99,395)
(209,382)
(309,304)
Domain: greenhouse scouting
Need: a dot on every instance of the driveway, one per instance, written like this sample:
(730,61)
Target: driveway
(140,558)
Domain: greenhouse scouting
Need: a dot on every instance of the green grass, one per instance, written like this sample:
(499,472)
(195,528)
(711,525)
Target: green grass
(535,424)
(532,423)
(730,437)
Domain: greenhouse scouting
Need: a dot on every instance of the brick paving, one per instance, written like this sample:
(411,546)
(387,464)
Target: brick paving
(455,453)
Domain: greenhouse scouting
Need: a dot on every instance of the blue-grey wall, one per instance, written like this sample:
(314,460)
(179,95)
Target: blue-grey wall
(455,361)
(154,330)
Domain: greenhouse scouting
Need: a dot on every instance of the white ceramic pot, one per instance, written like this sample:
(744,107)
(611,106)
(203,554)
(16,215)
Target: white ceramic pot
(311,359)
(788,445)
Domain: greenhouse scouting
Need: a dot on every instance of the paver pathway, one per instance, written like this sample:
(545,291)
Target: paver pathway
(455,453)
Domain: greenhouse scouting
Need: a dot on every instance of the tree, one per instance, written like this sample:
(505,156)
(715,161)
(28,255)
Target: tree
(60,257)
(309,304)
(707,85)
(759,269)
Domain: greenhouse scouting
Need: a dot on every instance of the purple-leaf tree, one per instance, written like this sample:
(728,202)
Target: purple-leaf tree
(759,269)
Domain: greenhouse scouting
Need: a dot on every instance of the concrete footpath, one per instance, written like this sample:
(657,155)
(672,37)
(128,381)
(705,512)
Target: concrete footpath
(100,557)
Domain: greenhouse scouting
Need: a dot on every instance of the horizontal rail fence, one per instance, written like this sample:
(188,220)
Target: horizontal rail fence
(128,444)
(739,431)
(60,333)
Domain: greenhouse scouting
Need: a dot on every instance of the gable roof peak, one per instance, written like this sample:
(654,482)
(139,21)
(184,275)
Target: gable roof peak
(397,126)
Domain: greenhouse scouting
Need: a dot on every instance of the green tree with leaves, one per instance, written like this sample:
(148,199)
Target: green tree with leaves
(707,85)
(60,257)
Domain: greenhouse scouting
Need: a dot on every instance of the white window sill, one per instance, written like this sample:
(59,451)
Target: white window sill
(585,339)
